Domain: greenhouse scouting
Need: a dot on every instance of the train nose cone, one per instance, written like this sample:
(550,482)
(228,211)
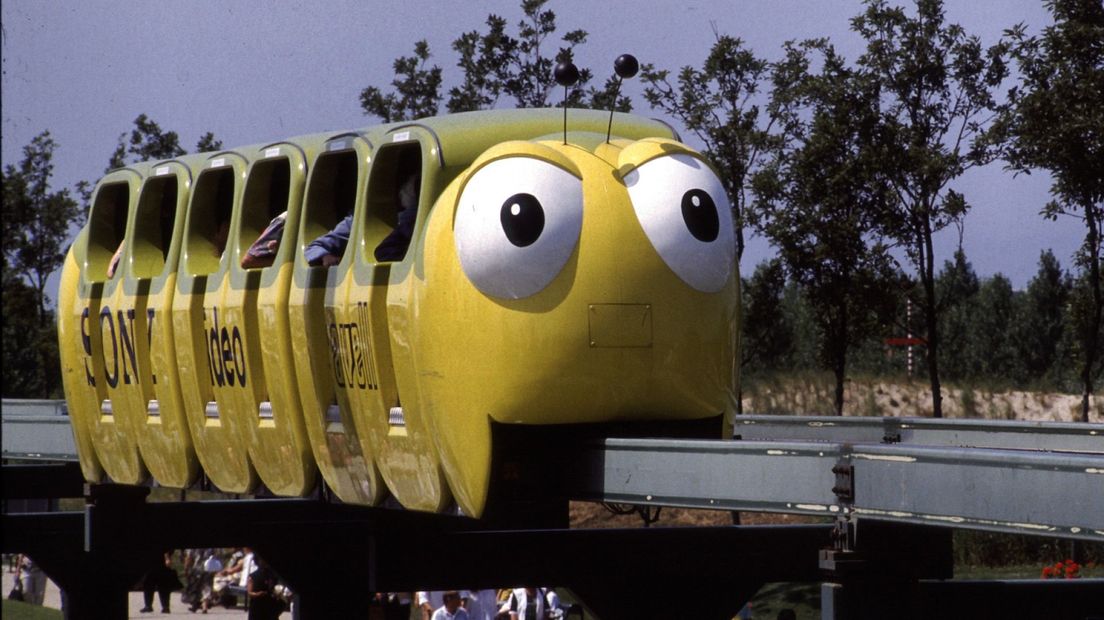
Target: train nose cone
(620,325)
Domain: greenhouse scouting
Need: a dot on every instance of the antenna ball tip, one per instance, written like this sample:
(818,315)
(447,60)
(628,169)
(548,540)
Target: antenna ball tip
(566,73)
(626,66)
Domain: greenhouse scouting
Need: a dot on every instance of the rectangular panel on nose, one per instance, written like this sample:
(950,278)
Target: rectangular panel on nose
(620,325)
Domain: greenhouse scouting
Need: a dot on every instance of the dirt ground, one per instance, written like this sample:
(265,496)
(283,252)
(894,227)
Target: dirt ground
(814,396)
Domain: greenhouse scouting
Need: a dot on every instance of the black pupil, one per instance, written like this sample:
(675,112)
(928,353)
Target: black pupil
(700,214)
(522,219)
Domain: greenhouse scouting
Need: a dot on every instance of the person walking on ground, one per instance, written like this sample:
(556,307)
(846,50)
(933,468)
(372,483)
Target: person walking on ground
(161,579)
(30,576)
(451,609)
(261,590)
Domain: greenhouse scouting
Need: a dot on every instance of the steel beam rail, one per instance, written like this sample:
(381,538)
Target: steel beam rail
(1002,434)
(1037,478)
(1042,493)
(37,430)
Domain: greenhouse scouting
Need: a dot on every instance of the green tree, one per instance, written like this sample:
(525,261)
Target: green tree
(493,63)
(531,81)
(767,338)
(32,368)
(485,59)
(1084,329)
(936,87)
(957,287)
(819,198)
(1056,123)
(1041,322)
(417,89)
(36,219)
(994,316)
(36,224)
(146,141)
(799,314)
(718,104)
(208,143)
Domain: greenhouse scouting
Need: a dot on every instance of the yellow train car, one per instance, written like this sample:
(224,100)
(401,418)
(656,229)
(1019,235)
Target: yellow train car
(434,281)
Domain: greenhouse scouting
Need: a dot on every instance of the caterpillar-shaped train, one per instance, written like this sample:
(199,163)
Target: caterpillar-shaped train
(556,276)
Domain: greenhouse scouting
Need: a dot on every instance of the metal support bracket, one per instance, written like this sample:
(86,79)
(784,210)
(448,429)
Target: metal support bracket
(844,488)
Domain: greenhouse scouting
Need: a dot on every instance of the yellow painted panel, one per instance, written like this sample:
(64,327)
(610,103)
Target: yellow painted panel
(620,325)
(392,415)
(75,348)
(314,300)
(209,347)
(277,437)
(112,334)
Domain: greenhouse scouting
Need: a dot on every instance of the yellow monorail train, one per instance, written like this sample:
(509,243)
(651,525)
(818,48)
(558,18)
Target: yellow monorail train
(554,277)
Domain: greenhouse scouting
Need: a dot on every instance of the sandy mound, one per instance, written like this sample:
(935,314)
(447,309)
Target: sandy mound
(814,396)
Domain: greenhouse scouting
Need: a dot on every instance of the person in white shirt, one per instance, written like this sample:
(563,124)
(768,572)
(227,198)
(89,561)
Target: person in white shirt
(450,609)
(248,566)
(428,601)
(481,604)
(30,577)
(526,604)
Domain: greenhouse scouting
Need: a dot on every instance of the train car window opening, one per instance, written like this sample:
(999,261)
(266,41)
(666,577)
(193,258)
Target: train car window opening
(394,186)
(331,194)
(107,227)
(209,220)
(154,221)
(266,196)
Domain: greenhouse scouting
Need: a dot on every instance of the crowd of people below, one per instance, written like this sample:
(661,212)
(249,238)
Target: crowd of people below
(229,578)
(524,603)
(213,578)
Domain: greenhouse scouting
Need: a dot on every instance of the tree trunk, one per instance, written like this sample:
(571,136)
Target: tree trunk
(931,323)
(840,371)
(839,355)
(1092,338)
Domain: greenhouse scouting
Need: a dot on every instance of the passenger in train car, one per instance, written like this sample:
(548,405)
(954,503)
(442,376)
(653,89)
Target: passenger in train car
(221,235)
(166,224)
(263,251)
(394,245)
(114,264)
(328,249)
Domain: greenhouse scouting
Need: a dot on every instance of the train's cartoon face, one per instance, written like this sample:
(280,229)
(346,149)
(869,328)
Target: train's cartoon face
(551,280)
(520,214)
(601,276)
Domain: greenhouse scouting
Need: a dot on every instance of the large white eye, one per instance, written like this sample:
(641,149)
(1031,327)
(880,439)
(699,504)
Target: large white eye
(683,209)
(517,224)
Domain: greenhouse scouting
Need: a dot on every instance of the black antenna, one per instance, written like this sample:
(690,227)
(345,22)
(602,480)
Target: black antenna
(625,67)
(566,74)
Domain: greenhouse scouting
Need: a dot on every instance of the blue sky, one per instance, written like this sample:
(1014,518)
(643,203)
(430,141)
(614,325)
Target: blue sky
(257,71)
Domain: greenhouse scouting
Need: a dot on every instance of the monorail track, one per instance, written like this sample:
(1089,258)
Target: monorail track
(1035,478)
(892,491)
